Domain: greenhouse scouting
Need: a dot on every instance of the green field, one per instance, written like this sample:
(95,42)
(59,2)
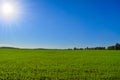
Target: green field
(18,64)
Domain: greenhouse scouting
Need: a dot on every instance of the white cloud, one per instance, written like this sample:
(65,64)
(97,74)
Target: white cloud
(6,45)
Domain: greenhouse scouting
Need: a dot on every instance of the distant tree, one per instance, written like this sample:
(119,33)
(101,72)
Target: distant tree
(81,49)
(9,48)
(70,49)
(86,48)
(75,48)
(95,48)
(99,48)
(114,47)
(117,46)
(111,48)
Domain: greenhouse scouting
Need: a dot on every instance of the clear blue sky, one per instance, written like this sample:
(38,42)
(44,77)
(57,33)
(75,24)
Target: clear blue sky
(64,24)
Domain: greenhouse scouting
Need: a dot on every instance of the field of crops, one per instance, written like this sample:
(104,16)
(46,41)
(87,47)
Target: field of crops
(18,64)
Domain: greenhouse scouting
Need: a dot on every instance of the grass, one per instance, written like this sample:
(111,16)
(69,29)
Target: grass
(18,64)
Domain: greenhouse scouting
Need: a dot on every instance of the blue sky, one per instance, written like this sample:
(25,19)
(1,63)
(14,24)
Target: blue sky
(64,24)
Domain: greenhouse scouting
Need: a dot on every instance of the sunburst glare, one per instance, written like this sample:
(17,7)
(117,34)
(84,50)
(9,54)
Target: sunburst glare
(10,11)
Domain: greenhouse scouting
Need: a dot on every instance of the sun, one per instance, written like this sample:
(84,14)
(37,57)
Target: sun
(11,12)
(8,9)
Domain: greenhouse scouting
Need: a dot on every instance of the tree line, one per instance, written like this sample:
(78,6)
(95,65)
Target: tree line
(112,47)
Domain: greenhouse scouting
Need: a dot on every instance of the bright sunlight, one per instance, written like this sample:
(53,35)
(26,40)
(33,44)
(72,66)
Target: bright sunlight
(8,9)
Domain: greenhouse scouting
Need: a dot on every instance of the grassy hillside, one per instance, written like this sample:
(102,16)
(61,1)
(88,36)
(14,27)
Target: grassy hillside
(18,64)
